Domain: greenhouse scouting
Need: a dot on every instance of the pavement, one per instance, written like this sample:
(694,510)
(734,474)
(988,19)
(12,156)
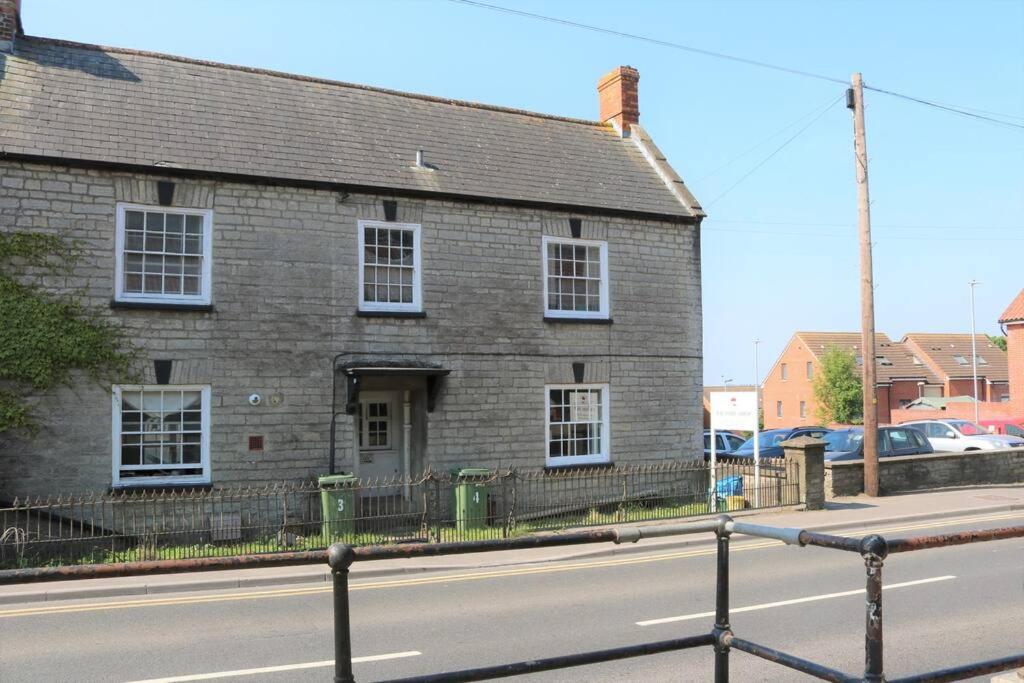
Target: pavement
(845,515)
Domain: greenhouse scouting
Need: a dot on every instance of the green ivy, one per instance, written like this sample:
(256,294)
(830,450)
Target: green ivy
(45,337)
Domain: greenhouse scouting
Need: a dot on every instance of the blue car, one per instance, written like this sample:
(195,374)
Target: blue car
(848,444)
(769,441)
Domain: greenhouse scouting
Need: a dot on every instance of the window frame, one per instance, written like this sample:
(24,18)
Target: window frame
(604,457)
(783,372)
(778,409)
(204,439)
(803,410)
(810,370)
(364,421)
(416,306)
(604,298)
(205,295)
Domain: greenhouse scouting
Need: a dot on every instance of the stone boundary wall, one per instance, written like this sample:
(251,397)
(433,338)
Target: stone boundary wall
(922,472)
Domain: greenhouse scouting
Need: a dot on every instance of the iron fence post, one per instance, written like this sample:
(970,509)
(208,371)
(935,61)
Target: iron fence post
(437,509)
(340,558)
(874,550)
(722,628)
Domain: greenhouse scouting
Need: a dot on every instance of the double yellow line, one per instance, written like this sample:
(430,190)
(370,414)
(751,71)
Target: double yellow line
(473,576)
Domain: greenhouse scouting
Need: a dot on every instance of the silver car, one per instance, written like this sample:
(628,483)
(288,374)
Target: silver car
(963,435)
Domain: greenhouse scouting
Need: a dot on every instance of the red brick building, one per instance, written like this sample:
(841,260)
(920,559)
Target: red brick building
(949,357)
(920,364)
(1012,321)
(788,389)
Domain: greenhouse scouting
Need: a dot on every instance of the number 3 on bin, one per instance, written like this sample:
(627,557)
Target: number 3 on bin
(341,505)
(476,496)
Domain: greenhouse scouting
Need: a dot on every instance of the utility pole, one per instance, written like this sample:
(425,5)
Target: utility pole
(974,352)
(855,101)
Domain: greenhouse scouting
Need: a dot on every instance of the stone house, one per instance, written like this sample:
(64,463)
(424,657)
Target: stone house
(325,275)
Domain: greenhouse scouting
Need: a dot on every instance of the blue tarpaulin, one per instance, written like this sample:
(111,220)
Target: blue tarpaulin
(729,486)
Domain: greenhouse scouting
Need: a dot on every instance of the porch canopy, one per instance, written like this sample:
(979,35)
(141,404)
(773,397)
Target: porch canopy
(354,371)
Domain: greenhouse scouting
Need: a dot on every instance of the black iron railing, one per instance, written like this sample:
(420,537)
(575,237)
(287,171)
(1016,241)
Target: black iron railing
(873,549)
(222,522)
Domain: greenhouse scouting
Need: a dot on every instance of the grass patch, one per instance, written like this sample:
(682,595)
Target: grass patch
(603,515)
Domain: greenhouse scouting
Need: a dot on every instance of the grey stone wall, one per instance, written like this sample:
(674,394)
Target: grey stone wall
(285,296)
(922,472)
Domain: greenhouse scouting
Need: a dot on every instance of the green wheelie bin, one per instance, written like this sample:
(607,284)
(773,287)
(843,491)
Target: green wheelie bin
(338,502)
(471,497)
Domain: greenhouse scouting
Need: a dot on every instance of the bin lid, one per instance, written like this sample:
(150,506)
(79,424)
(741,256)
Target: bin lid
(472,472)
(335,479)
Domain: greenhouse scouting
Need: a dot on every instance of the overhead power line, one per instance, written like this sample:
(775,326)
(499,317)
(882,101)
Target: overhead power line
(963,227)
(852,235)
(633,36)
(971,112)
(777,150)
(755,147)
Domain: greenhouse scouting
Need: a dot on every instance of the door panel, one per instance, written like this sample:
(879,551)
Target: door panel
(379,425)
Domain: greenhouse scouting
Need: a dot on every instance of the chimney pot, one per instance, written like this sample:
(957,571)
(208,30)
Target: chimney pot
(10,24)
(617,93)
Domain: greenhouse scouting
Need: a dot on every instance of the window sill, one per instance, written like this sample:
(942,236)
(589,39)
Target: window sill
(577,468)
(578,321)
(160,488)
(390,314)
(161,306)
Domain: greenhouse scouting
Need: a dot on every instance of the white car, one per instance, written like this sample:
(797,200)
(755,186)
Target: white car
(963,435)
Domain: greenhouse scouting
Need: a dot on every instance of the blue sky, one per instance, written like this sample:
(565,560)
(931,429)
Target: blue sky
(779,248)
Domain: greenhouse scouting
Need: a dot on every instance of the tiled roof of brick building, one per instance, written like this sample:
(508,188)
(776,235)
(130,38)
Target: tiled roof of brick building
(892,360)
(950,354)
(116,106)
(1015,311)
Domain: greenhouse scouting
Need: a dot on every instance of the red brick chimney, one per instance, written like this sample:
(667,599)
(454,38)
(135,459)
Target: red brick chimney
(1012,321)
(620,103)
(10,23)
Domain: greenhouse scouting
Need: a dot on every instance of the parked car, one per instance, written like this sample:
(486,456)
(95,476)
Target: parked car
(962,435)
(848,444)
(725,443)
(769,441)
(1008,427)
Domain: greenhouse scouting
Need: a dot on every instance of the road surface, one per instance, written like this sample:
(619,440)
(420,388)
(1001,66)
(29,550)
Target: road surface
(942,607)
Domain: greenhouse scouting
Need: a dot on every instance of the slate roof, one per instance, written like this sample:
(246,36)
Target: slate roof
(111,105)
(892,360)
(940,350)
(1015,311)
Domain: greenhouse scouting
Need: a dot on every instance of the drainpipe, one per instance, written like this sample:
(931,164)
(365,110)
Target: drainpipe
(334,412)
(406,442)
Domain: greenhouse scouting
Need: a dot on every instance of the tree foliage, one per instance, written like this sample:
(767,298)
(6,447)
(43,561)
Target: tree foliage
(838,388)
(999,341)
(44,337)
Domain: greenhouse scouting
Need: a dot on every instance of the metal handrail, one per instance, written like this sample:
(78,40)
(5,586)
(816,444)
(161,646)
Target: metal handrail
(873,549)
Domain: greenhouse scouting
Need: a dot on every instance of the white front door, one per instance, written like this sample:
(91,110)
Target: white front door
(380,431)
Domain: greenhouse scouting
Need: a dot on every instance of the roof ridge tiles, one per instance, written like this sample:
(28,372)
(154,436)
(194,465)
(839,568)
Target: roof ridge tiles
(314,79)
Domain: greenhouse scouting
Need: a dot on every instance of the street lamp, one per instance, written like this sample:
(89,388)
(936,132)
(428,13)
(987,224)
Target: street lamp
(757,428)
(974,352)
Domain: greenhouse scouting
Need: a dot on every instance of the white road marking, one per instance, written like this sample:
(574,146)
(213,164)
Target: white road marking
(275,669)
(795,601)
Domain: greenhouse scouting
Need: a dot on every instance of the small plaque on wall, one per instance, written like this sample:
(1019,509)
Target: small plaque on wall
(366,458)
